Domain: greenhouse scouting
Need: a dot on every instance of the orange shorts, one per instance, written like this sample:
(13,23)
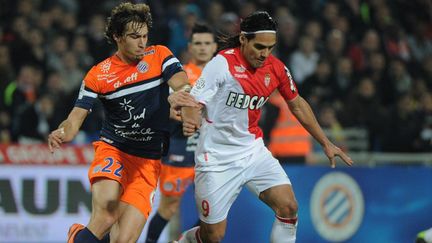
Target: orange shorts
(174,180)
(137,176)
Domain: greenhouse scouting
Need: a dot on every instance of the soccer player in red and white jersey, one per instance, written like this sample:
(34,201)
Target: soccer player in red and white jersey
(177,171)
(231,154)
(133,86)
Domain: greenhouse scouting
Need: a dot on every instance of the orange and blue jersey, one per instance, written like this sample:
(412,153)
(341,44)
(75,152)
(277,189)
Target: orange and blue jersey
(134,97)
(181,151)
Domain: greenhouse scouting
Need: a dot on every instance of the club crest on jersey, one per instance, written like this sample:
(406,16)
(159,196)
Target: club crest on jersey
(267,79)
(142,67)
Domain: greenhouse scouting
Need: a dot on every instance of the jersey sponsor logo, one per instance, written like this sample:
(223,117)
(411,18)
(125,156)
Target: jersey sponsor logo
(142,67)
(245,101)
(105,66)
(240,75)
(267,79)
(132,77)
(151,52)
(108,78)
(337,207)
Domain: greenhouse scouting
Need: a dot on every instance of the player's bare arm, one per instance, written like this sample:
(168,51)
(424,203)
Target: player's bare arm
(68,129)
(303,112)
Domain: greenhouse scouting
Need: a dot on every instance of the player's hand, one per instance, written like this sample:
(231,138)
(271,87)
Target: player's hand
(332,151)
(55,139)
(175,114)
(189,128)
(181,98)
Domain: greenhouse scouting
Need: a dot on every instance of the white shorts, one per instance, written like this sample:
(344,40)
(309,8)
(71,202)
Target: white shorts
(215,191)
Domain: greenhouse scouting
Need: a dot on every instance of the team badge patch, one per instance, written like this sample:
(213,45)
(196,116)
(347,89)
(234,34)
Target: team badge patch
(267,79)
(142,67)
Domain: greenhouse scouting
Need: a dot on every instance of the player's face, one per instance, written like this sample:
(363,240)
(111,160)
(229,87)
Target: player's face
(202,47)
(257,49)
(133,42)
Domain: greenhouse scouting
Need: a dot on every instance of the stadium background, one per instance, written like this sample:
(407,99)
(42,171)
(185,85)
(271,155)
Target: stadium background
(364,65)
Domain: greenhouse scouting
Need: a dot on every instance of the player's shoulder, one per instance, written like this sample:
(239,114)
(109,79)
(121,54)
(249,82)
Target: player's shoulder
(276,62)
(159,50)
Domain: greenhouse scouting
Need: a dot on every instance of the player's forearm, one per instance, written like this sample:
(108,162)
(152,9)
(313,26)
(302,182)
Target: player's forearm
(69,130)
(72,124)
(304,114)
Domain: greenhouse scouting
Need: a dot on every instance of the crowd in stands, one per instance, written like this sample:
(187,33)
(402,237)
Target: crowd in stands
(359,63)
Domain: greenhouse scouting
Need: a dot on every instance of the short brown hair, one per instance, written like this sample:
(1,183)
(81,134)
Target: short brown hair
(126,13)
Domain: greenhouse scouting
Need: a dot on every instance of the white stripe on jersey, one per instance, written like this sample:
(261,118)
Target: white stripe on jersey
(134,89)
(169,62)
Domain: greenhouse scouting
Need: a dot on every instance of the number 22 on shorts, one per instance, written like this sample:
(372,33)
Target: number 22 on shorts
(112,167)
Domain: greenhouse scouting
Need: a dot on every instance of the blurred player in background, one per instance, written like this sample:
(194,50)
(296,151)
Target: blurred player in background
(230,153)
(133,86)
(178,166)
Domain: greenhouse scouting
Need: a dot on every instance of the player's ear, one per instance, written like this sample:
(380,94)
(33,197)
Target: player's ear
(116,38)
(242,39)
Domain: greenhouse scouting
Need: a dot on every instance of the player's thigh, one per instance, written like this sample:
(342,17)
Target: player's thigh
(264,172)
(215,192)
(281,199)
(105,195)
(130,224)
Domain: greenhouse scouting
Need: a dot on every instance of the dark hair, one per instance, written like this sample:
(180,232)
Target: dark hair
(259,20)
(200,28)
(126,13)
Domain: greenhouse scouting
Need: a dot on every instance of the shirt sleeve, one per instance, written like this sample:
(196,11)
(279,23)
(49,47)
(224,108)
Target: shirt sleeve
(210,80)
(287,86)
(88,92)
(170,64)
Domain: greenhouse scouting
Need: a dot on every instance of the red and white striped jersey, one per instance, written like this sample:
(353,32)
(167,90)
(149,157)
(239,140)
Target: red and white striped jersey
(233,93)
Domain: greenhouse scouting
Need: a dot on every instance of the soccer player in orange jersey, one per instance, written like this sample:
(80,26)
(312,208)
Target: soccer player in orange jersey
(133,86)
(178,167)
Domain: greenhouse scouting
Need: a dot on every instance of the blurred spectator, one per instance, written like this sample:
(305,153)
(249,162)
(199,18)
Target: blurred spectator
(21,91)
(181,26)
(426,126)
(32,122)
(360,53)
(335,46)
(329,122)
(71,73)
(400,78)
(396,43)
(95,34)
(343,78)
(403,127)
(56,49)
(419,45)
(81,50)
(6,70)
(317,88)
(304,60)
(363,110)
